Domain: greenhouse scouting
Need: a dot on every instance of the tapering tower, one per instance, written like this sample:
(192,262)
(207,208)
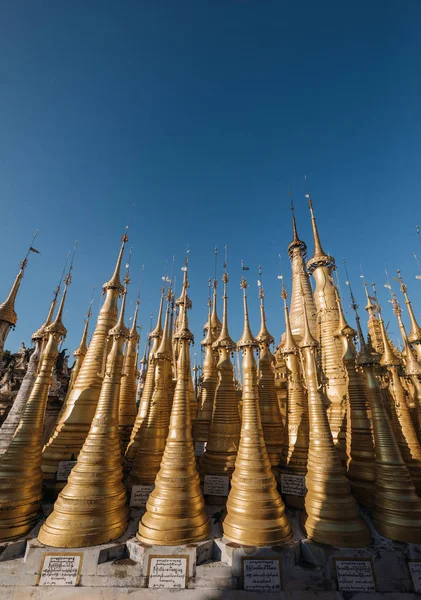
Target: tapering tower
(184,303)
(333,381)
(397,508)
(295,449)
(414,336)
(175,511)
(127,404)
(373,322)
(155,338)
(75,421)
(13,418)
(20,465)
(401,417)
(297,252)
(91,509)
(81,350)
(153,432)
(412,371)
(331,513)
(273,428)
(207,392)
(8,316)
(253,485)
(360,461)
(224,432)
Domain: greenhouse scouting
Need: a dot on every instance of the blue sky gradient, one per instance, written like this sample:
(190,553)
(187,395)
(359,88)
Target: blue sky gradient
(201,114)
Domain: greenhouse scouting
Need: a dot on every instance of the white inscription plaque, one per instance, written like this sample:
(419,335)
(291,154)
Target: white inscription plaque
(60,569)
(355,575)
(169,572)
(216,485)
(140,495)
(199,448)
(294,485)
(415,570)
(262,575)
(64,468)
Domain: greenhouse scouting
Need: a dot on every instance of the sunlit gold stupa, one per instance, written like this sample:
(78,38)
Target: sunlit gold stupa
(295,449)
(91,509)
(397,508)
(255,511)
(153,432)
(175,511)
(148,388)
(20,465)
(76,418)
(331,513)
(273,428)
(127,404)
(224,432)
(359,433)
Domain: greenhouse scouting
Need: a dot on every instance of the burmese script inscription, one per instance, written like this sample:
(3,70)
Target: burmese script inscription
(64,468)
(216,485)
(140,495)
(60,569)
(355,575)
(262,575)
(294,485)
(168,572)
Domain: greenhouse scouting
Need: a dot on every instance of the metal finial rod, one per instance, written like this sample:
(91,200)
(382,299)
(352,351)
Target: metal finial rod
(215,261)
(31,249)
(417,229)
(225,258)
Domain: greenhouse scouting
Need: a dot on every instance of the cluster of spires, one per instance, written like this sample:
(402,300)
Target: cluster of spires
(346,420)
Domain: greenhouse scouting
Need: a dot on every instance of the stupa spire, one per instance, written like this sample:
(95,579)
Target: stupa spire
(224,431)
(8,316)
(175,511)
(359,440)
(295,449)
(20,504)
(253,483)
(214,320)
(334,379)
(75,420)
(397,508)
(208,388)
(273,428)
(127,404)
(98,473)
(82,349)
(414,336)
(155,337)
(153,432)
(331,514)
(401,417)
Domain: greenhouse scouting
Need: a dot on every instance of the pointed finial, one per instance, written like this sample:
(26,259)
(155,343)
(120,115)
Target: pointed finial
(415,333)
(263,337)
(319,258)
(247,339)
(157,332)
(133,330)
(224,340)
(208,339)
(114,282)
(296,242)
(57,326)
(388,358)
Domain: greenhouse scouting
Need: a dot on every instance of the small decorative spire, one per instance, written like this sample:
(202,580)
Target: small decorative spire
(319,256)
(290,346)
(414,335)
(114,282)
(247,339)
(224,339)
(263,337)
(296,242)
(308,340)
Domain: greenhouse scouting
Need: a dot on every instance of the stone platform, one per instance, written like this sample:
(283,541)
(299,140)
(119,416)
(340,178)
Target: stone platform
(213,569)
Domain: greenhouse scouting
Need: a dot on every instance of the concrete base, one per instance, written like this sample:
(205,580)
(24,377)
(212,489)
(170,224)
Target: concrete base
(114,571)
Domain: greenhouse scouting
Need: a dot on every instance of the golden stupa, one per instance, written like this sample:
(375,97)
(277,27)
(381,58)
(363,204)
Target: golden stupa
(255,511)
(175,511)
(91,509)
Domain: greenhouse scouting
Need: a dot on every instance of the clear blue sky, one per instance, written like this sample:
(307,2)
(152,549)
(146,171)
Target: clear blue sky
(201,113)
